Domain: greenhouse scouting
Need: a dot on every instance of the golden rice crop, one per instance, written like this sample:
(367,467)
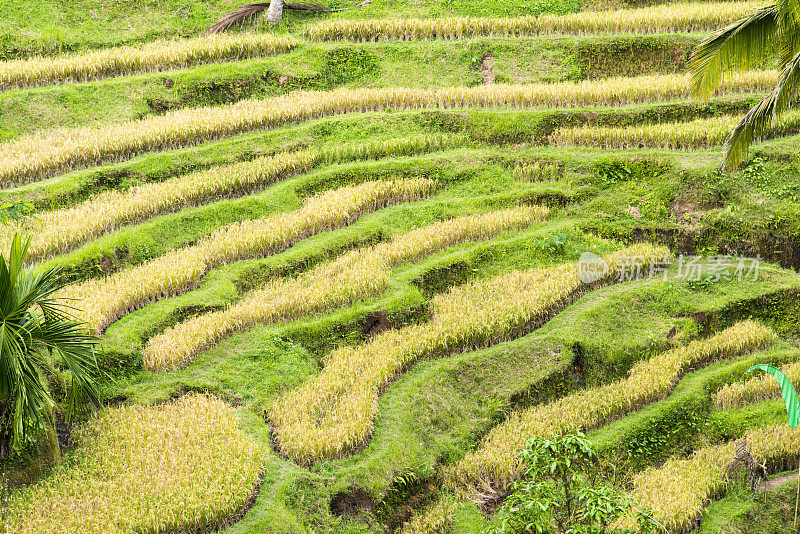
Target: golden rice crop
(154,56)
(432,520)
(352,277)
(57,231)
(495,462)
(759,387)
(334,411)
(678,491)
(42,154)
(100,302)
(664,18)
(695,134)
(181,467)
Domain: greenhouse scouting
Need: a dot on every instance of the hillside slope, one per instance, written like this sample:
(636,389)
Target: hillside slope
(334,262)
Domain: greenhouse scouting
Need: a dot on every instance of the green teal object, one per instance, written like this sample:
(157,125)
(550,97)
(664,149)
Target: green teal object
(787,390)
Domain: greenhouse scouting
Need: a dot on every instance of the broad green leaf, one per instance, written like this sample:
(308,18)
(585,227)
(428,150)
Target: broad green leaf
(787,390)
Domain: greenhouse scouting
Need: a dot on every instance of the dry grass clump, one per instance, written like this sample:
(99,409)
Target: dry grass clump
(61,230)
(354,276)
(678,491)
(154,56)
(495,463)
(335,410)
(100,302)
(756,388)
(185,466)
(665,18)
(43,154)
(699,133)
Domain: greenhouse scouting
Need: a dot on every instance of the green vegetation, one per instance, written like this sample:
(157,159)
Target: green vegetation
(421,317)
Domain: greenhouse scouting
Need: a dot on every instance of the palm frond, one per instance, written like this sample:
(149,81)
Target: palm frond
(238,16)
(763,115)
(742,45)
(34,327)
(249,11)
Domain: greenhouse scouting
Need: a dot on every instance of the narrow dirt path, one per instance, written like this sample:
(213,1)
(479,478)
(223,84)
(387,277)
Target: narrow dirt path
(775,482)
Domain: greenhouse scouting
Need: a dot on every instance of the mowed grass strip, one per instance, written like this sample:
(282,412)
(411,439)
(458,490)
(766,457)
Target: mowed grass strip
(43,154)
(666,18)
(334,412)
(354,276)
(185,466)
(757,387)
(692,135)
(678,491)
(154,56)
(495,463)
(59,231)
(99,302)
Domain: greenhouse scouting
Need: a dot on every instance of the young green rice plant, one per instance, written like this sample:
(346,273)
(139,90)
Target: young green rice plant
(154,56)
(700,133)
(100,302)
(45,153)
(354,276)
(495,463)
(185,466)
(678,491)
(754,389)
(61,230)
(335,410)
(664,18)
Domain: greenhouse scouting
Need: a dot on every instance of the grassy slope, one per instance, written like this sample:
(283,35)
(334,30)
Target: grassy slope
(439,409)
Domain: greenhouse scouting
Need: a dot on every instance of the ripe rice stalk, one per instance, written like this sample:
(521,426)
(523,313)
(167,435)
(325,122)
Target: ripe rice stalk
(664,18)
(354,276)
(334,411)
(58,231)
(154,56)
(696,134)
(101,302)
(433,519)
(678,491)
(44,154)
(188,464)
(495,463)
(754,389)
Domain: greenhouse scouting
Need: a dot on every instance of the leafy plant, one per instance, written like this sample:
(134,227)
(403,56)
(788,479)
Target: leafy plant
(36,334)
(564,490)
(14,211)
(612,171)
(553,244)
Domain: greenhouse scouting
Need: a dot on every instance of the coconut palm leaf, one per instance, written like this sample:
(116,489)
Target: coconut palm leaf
(763,115)
(36,330)
(743,45)
(787,390)
(249,11)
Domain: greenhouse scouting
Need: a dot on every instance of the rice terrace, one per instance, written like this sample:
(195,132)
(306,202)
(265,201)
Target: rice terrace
(423,267)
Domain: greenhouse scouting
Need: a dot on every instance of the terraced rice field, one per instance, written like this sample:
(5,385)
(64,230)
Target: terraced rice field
(341,268)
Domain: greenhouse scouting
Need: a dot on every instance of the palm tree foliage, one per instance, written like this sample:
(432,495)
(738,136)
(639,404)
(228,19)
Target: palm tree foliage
(771,33)
(37,333)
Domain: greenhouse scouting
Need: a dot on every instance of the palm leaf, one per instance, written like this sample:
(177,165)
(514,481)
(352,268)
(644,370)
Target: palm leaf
(740,46)
(763,115)
(787,390)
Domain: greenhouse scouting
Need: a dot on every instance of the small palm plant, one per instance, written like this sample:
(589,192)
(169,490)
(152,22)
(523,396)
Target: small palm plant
(37,333)
(792,409)
(772,32)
